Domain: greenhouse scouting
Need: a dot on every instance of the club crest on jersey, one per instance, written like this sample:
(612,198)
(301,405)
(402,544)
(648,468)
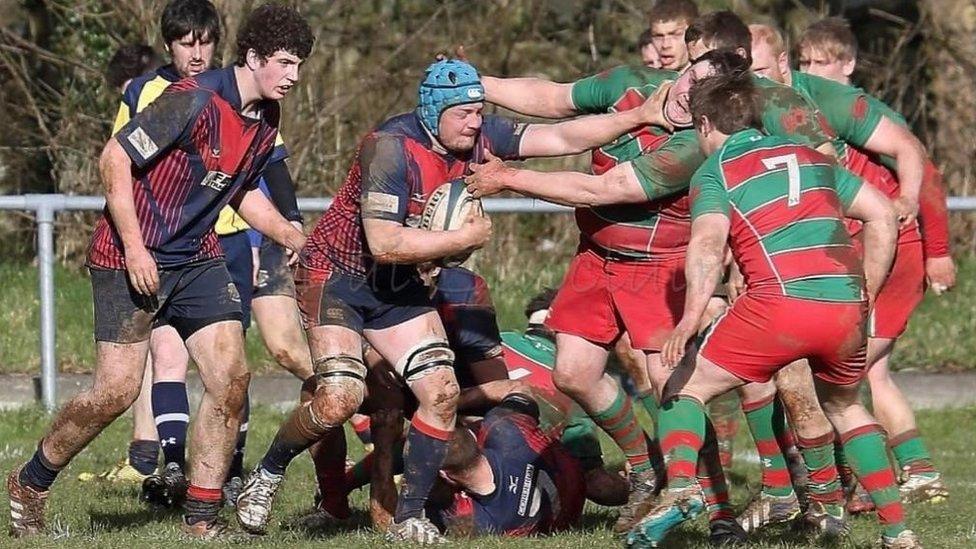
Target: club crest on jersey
(217,181)
(144,144)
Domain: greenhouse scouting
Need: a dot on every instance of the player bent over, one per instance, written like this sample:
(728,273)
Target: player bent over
(781,208)
(358,277)
(154,253)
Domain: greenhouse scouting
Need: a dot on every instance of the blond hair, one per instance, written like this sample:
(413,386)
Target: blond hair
(772,37)
(832,36)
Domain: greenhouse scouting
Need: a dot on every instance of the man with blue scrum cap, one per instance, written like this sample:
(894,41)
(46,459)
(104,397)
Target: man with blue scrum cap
(358,277)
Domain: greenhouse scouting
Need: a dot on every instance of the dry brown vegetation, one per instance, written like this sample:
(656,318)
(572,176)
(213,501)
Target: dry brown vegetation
(369,54)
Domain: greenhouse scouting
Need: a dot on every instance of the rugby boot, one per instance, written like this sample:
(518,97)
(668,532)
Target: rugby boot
(766,509)
(166,489)
(726,532)
(204,530)
(26,507)
(922,487)
(643,488)
(415,530)
(674,506)
(858,500)
(231,490)
(256,499)
(826,523)
(121,473)
(905,540)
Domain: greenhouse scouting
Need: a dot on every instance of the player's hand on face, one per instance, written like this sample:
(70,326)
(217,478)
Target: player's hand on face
(907,210)
(674,347)
(143,273)
(940,273)
(488,178)
(477,229)
(652,111)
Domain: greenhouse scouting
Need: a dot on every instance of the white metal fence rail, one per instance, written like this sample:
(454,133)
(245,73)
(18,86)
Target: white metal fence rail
(46,206)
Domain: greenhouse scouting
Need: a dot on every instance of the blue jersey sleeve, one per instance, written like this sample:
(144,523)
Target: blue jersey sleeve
(503,136)
(385,190)
(166,122)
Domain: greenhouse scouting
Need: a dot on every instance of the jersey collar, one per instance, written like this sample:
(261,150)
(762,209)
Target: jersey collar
(168,73)
(741,136)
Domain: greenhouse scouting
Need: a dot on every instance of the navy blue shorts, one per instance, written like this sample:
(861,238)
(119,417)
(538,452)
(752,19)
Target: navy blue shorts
(240,264)
(274,275)
(331,298)
(464,304)
(189,298)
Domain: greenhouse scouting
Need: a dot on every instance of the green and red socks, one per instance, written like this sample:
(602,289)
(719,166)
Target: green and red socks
(823,482)
(866,451)
(619,421)
(762,418)
(682,430)
(911,454)
(711,477)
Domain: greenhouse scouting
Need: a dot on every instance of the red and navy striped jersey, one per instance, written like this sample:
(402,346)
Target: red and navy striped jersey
(192,151)
(393,174)
(786,203)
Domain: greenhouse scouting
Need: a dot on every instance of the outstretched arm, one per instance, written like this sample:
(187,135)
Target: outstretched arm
(531,96)
(703,271)
(896,141)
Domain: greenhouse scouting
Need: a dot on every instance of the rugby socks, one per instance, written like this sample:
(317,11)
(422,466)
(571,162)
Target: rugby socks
(823,483)
(360,424)
(723,413)
(297,433)
(144,456)
(426,450)
(237,461)
(843,467)
(171,411)
(911,454)
(866,451)
(620,423)
(711,477)
(761,416)
(202,504)
(329,458)
(682,431)
(649,402)
(38,473)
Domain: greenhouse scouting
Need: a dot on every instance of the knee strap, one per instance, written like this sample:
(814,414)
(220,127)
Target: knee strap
(340,366)
(425,357)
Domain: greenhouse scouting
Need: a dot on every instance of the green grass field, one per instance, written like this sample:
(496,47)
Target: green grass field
(95,515)
(938,338)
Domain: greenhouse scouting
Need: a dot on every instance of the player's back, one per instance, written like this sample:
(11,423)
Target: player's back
(785,202)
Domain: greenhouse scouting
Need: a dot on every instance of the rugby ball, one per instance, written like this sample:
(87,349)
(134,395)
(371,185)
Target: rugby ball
(445,210)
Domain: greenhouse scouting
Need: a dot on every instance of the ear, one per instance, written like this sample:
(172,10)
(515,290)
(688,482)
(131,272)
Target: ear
(252,59)
(848,67)
(705,125)
(742,52)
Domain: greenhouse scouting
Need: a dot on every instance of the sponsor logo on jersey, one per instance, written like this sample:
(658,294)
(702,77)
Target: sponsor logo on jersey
(526,489)
(382,202)
(215,180)
(143,144)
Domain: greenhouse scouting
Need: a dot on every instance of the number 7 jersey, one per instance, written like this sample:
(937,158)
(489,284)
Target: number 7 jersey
(786,203)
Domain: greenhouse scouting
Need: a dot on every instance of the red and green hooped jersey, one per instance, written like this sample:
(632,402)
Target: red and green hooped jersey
(786,205)
(663,163)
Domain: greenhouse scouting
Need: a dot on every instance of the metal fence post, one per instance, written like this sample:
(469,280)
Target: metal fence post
(45,263)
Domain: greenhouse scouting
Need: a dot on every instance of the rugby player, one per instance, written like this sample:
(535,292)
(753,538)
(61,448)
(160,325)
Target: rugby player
(514,479)
(633,219)
(200,146)
(669,19)
(828,50)
(647,51)
(780,206)
(358,276)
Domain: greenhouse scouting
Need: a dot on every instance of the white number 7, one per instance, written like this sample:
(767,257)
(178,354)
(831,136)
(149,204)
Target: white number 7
(792,172)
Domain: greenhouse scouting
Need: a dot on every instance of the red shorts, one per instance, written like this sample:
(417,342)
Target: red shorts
(602,297)
(761,334)
(901,293)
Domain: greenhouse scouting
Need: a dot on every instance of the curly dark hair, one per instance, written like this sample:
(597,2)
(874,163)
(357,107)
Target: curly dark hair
(130,61)
(273,27)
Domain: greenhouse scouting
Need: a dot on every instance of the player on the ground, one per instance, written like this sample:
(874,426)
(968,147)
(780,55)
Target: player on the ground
(633,216)
(200,146)
(668,20)
(514,479)
(780,206)
(358,277)
(828,49)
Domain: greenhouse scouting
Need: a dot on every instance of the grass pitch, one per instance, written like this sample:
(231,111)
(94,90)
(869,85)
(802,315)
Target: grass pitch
(88,515)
